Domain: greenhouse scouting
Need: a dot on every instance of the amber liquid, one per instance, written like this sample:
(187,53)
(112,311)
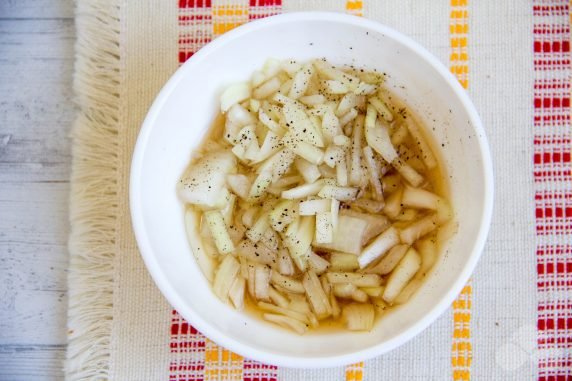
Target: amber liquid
(438,182)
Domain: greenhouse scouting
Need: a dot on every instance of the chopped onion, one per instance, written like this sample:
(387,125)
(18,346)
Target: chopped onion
(348,237)
(358,280)
(206,262)
(312,207)
(358,316)
(379,247)
(225,275)
(389,261)
(315,196)
(287,322)
(402,274)
(234,94)
(318,300)
(287,283)
(219,232)
(236,292)
(343,262)
(262,282)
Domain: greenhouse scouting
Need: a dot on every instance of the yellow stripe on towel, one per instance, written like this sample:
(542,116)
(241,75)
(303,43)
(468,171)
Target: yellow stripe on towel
(461,348)
(228,15)
(222,364)
(354,7)
(354,372)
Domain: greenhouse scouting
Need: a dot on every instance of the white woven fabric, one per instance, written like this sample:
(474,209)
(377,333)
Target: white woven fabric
(137,339)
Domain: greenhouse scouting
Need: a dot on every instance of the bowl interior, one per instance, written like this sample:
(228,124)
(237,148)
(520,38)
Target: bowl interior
(187,106)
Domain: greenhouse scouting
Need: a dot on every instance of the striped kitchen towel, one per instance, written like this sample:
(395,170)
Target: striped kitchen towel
(512,321)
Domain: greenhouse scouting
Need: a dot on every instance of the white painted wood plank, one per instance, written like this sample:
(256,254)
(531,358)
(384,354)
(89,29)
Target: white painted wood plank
(31,363)
(36,99)
(37,9)
(36,113)
(33,261)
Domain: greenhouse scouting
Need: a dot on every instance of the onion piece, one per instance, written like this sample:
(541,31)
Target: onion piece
(261,282)
(234,94)
(348,237)
(318,263)
(299,239)
(260,184)
(368,205)
(324,228)
(270,123)
(330,125)
(403,273)
(381,108)
(343,262)
(267,88)
(357,279)
(333,156)
(312,207)
(219,232)
(374,292)
(309,171)
(335,87)
(393,203)
(239,185)
(356,171)
(418,229)
(283,214)
(374,172)
(358,316)
(283,311)
(277,298)
(420,198)
(378,247)
(257,230)
(236,292)
(365,89)
(287,283)
(285,264)
(270,239)
(313,100)
(334,210)
(348,117)
(305,150)
(224,277)
(427,249)
(228,211)
(256,253)
(287,322)
(400,135)
(426,153)
(300,124)
(206,263)
(389,261)
(339,193)
(301,81)
(376,223)
(348,102)
(318,300)
(302,191)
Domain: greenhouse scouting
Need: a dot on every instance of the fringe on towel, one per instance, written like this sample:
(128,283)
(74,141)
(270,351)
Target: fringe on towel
(93,198)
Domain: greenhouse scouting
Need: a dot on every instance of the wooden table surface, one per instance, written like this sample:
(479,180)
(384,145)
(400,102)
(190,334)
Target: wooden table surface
(36,114)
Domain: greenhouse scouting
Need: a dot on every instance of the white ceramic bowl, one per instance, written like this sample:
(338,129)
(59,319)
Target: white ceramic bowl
(186,107)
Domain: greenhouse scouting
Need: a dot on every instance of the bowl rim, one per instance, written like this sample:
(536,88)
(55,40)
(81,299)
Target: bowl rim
(292,361)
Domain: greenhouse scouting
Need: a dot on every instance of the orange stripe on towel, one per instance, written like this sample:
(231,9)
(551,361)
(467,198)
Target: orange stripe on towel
(354,372)
(228,15)
(461,348)
(354,7)
(221,364)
